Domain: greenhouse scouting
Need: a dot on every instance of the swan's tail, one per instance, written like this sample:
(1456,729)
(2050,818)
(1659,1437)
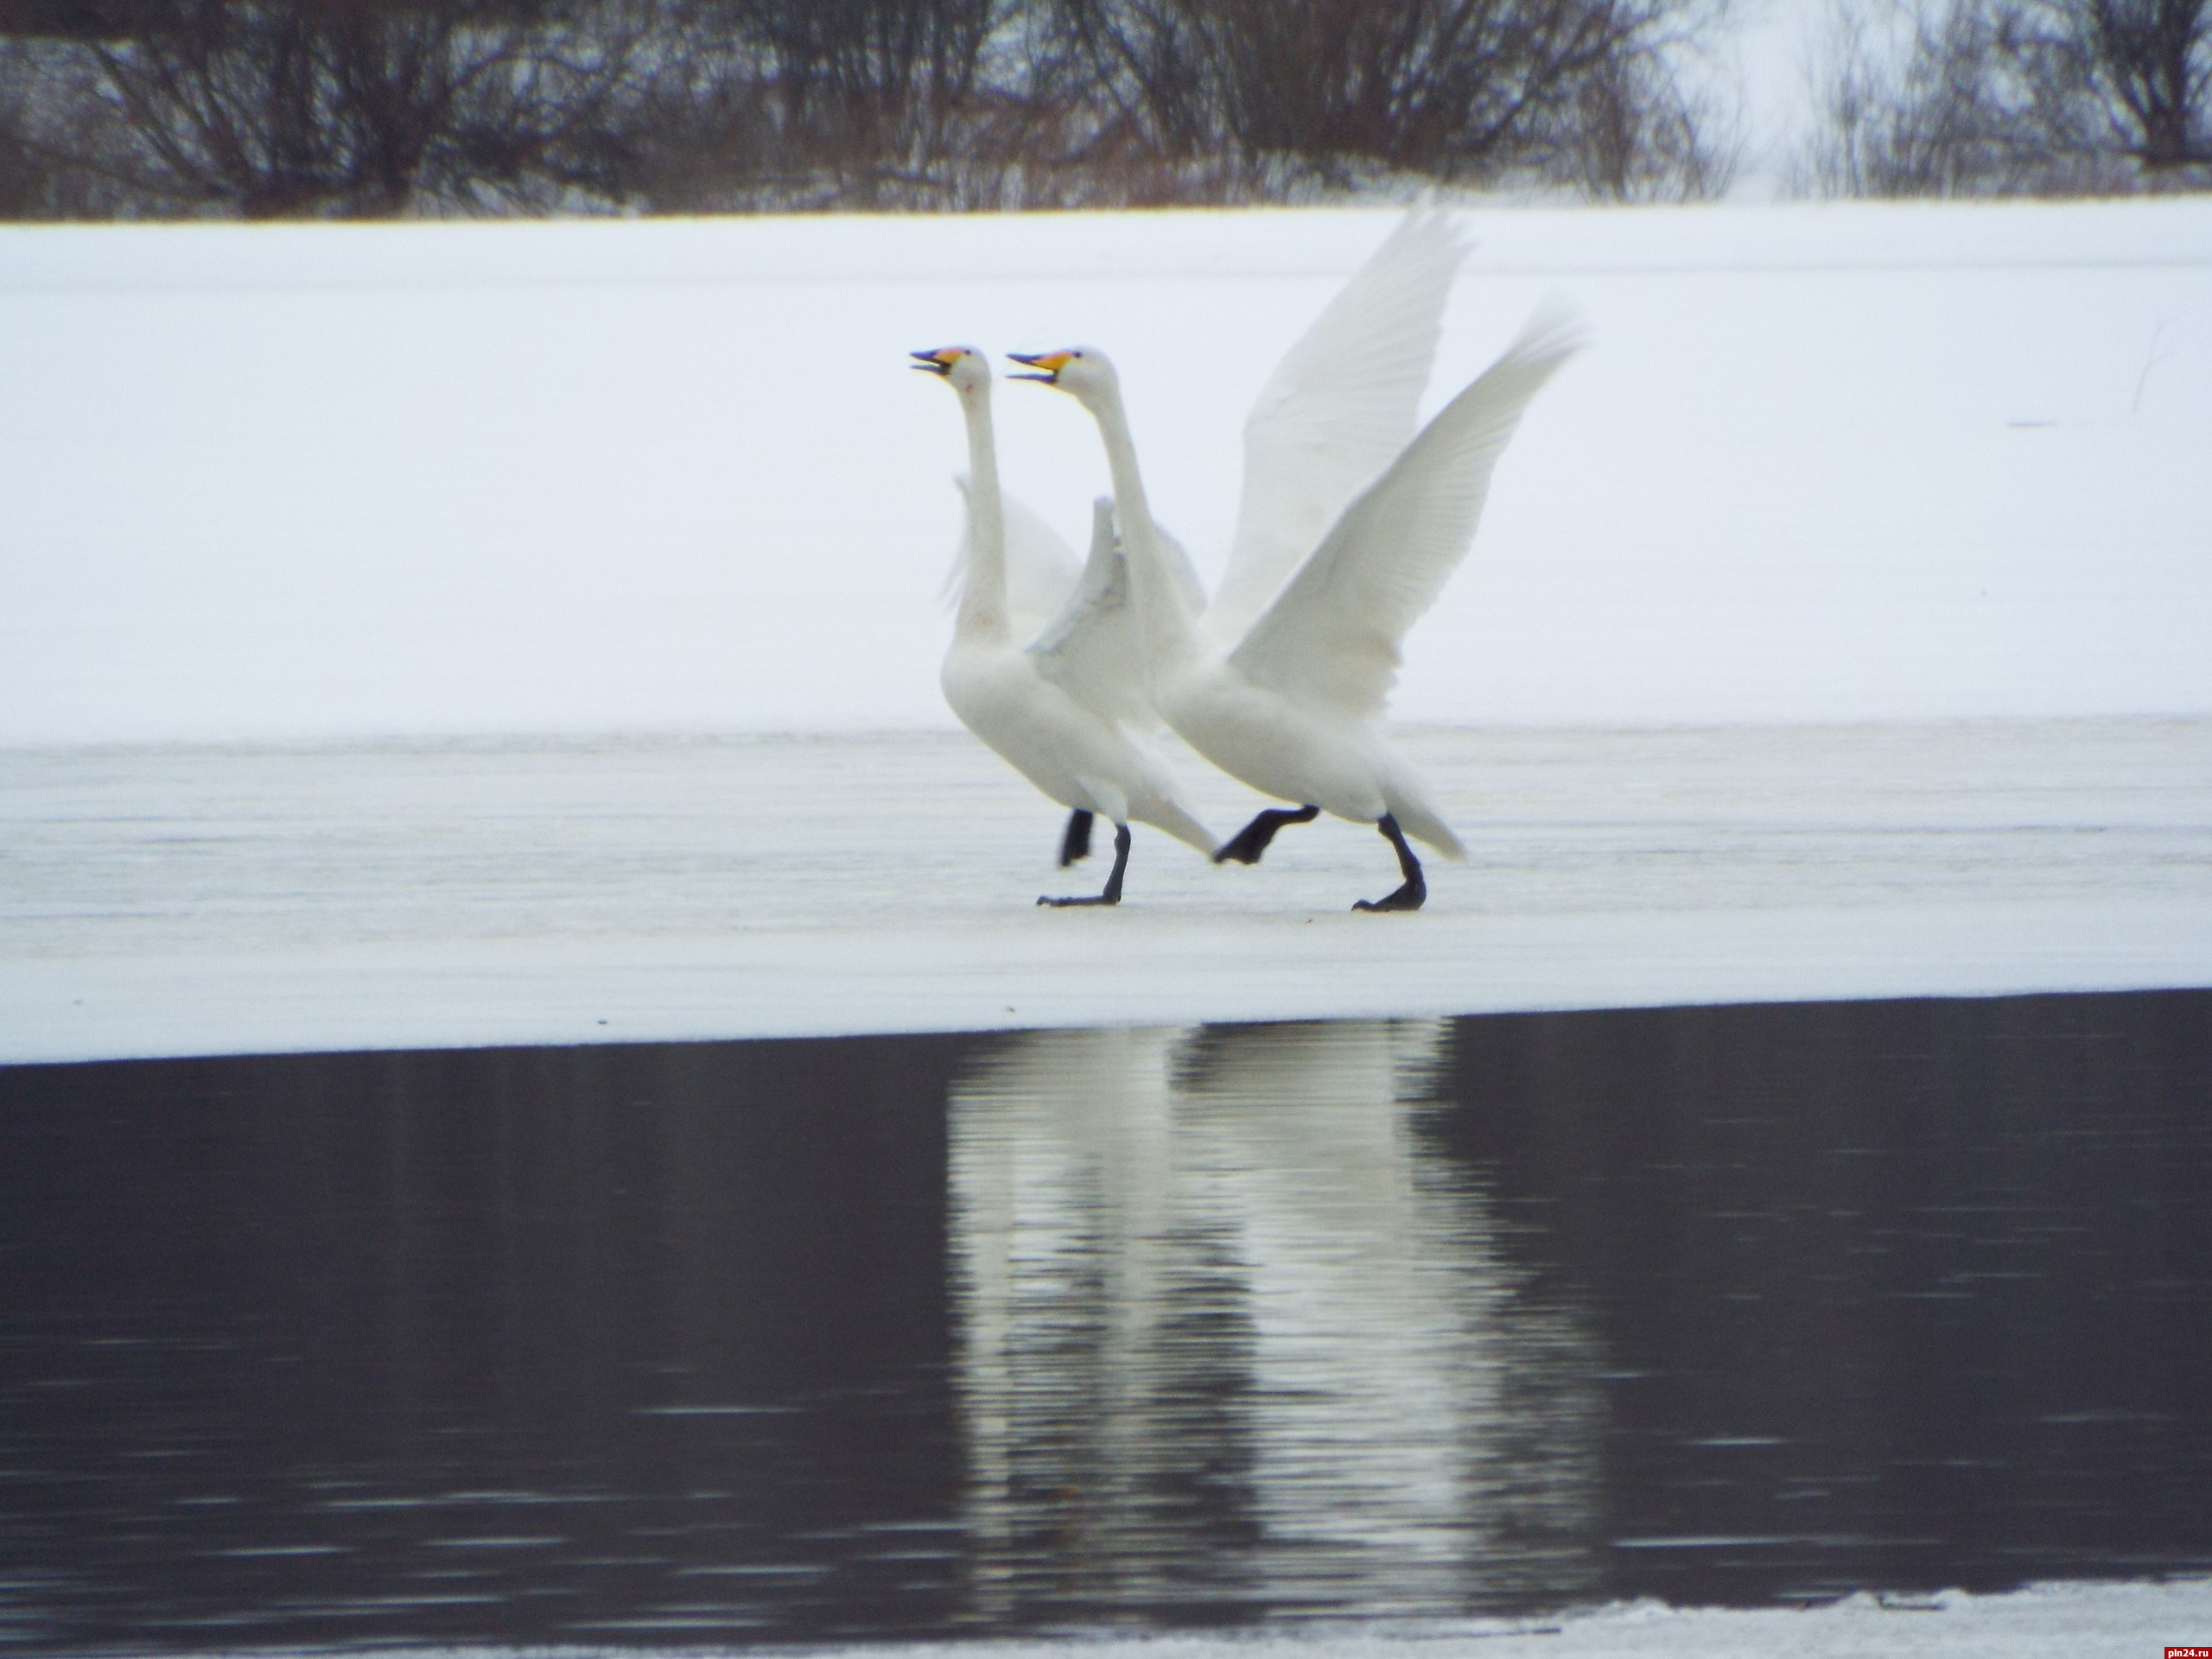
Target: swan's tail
(1406,796)
(1421,820)
(1166,815)
(1425,826)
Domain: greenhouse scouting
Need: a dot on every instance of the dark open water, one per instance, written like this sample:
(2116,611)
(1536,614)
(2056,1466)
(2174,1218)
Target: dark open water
(909,1335)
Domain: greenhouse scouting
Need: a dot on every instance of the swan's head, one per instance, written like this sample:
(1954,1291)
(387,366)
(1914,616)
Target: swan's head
(968,369)
(1084,371)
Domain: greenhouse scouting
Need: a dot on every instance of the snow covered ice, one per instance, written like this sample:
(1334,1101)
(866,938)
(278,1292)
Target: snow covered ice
(2069,1621)
(247,898)
(2045,1622)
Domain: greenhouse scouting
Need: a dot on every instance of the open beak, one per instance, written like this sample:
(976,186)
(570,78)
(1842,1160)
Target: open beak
(937,362)
(1051,362)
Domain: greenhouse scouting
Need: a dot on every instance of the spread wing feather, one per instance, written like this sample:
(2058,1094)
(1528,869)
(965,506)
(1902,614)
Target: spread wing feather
(1338,408)
(1330,640)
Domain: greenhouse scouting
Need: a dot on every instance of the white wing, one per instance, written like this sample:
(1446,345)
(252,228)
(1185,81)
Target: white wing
(1092,648)
(1040,569)
(1330,641)
(1338,409)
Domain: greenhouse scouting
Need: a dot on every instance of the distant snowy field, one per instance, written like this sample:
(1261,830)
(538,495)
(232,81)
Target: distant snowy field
(1832,462)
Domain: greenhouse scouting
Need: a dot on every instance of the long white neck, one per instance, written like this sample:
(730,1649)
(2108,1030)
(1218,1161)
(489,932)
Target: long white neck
(1171,633)
(982,614)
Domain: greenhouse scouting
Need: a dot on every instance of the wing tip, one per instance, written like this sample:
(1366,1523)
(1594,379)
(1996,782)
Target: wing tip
(1555,331)
(1429,217)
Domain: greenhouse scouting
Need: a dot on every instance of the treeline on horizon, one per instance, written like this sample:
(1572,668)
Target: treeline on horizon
(258,109)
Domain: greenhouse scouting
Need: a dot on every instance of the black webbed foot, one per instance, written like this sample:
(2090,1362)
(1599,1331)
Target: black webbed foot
(1075,842)
(1415,893)
(1411,896)
(1112,895)
(1248,843)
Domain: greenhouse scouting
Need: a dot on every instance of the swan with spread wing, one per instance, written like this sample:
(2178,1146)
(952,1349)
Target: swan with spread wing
(1292,704)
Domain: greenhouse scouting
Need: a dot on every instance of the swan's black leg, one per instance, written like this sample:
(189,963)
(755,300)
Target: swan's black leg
(1409,896)
(1076,844)
(1113,893)
(1248,843)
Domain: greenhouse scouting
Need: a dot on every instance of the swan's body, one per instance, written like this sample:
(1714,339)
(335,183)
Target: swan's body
(1065,709)
(1293,706)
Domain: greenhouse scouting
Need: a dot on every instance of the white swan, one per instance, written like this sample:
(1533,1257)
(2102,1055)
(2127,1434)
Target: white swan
(1065,709)
(1294,706)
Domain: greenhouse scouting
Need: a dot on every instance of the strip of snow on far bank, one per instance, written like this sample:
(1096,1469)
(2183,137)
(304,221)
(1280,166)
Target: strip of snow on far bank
(2055,1621)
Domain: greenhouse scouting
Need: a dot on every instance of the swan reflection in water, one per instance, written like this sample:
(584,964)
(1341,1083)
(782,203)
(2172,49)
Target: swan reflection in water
(1235,1334)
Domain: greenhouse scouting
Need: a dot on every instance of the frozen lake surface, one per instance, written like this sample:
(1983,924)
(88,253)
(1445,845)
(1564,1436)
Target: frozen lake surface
(238,899)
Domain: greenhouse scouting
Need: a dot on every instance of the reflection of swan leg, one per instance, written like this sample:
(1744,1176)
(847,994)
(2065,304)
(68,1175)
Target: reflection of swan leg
(1409,896)
(1113,893)
(1248,843)
(1076,844)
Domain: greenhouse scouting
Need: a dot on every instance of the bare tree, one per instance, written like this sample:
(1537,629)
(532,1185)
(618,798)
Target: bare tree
(2153,60)
(1640,133)
(2014,97)
(847,103)
(274,107)
(1470,91)
(60,158)
(263,108)
(33,166)
(868,95)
